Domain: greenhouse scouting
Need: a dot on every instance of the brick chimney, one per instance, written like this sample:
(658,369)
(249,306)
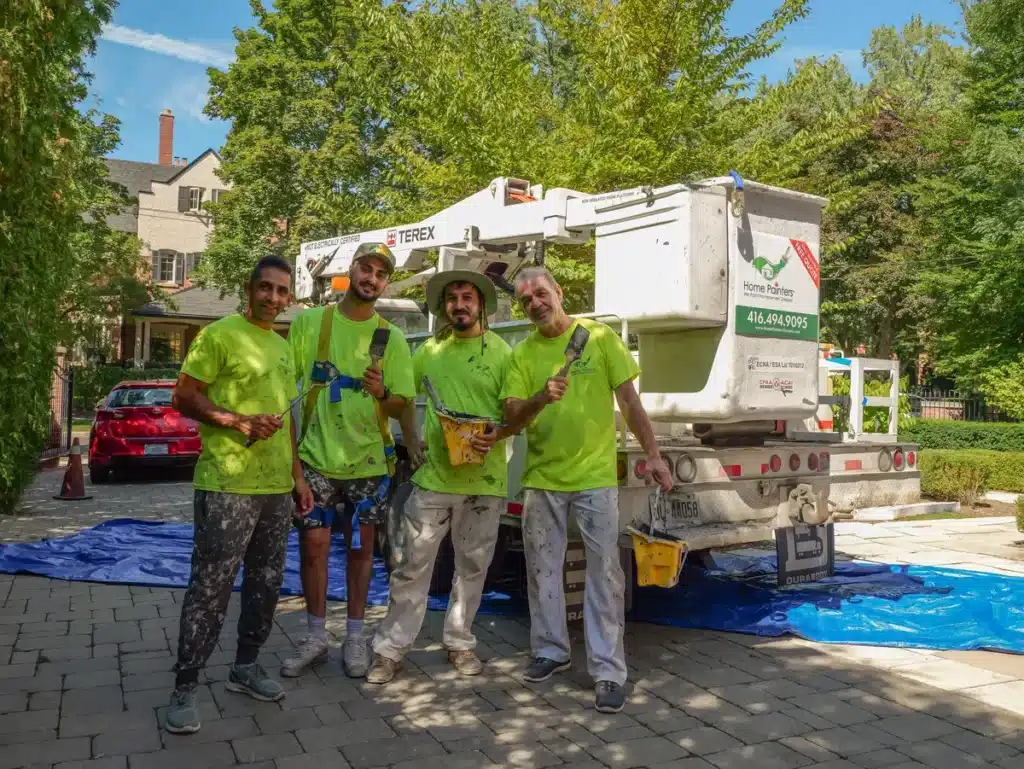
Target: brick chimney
(166,152)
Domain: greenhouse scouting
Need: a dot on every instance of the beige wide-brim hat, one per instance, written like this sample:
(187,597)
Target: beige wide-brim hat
(378,250)
(435,289)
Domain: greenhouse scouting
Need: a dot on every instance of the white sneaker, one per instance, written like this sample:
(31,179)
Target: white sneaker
(311,651)
(355,657)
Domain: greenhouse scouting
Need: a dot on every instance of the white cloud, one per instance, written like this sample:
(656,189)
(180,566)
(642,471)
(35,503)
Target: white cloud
(179,49)
(188,97)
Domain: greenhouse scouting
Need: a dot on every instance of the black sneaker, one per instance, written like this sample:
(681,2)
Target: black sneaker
(541,669)
(609,697)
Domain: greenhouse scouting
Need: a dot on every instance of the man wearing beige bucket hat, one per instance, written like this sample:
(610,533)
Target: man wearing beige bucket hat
(457,490)
(346,453)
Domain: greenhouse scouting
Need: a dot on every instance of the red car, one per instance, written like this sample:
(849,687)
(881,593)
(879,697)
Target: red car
(137,426)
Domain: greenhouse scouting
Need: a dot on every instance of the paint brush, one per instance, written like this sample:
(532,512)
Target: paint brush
(378,345)
(574,349)
(324,373)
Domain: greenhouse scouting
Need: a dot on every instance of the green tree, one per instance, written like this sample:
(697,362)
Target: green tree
(53,196)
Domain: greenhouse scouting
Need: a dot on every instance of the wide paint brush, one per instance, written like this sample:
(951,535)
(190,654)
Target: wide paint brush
(324,372)
(574,349)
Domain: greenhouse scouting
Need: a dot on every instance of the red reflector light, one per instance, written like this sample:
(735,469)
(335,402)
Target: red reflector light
(733,471)
(794,462)
(775,463)
(911,459)
(897,459)
(640,469)
(764,468)
(854,464)
(515,508)
(812,462)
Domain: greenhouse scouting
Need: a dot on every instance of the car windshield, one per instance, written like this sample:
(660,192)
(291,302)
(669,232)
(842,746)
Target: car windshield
(140,396)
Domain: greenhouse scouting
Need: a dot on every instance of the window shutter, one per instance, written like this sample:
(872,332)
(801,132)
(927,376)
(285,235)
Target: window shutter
(179,268)
(183,193)
(155,259)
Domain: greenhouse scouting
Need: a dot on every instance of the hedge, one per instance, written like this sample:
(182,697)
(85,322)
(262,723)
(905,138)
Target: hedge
(94,382)
(952,474)
(950,434)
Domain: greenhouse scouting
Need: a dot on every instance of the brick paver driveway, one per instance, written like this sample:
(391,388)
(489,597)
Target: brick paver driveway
(85,675)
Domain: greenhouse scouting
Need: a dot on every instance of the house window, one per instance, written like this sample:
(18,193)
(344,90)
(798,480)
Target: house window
(195,198)
(165,266)
(192,263)
(215,194)
(165,345)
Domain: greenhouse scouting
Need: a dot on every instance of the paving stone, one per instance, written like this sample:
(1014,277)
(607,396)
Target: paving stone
(750,698)
(144,681)
(68,667)
(840,763)
(771,726)
(65,653)
(44,753)
(143,611)
(808,748)
(133,665)
(916,727)
(17,671)
(214,730)
(872,703)
(116,633)
(873,733)
(126,742)
(936,753)
(54,642)
(879,759)
(273,722)
(649,750)
(39,735)
(521,754)
(92,679)
(321,737)
(716,675)
(213,755)
(843,741)
(25,658)
(324,759)
(770,755)
(87,725)
(108,762)
(319,694)
(29,721)
(40,682)
(703,740)
(474,759)
(680,763)
(836,710)
(666,720)
(331,714)
(397,750)
(14,703)
(627,733)
(99,699)
(813,720)
(977,745)
(268,746)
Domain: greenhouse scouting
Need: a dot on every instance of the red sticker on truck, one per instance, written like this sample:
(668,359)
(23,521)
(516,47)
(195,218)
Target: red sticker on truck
(807,257)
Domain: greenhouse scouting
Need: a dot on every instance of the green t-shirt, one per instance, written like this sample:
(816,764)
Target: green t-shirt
(247,370)
(570,445)
(343,438)
(467,379)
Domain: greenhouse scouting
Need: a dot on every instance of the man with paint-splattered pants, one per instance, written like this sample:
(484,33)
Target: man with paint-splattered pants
(236,380)
(570,470)
(465,364)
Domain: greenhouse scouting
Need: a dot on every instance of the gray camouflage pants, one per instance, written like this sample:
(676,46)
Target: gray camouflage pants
(232,530)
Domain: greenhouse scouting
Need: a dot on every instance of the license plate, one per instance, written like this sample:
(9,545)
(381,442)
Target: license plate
(155,449)
(683,509)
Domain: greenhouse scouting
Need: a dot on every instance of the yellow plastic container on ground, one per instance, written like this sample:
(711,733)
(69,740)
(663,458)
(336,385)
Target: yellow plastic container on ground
(658,561)
(457,434)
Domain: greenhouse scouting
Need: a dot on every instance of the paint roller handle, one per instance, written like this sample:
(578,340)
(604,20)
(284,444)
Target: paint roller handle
(259,426)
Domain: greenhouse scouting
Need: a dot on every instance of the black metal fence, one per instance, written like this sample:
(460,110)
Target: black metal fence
(953,404)
(62,391)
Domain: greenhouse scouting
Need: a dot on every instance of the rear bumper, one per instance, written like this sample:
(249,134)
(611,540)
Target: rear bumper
(111,452)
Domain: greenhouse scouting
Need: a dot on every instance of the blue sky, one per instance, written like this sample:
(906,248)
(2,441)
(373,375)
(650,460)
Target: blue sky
(155,55)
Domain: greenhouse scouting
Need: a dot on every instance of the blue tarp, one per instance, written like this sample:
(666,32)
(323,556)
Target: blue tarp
(864,603)
(875,604)
(150,554)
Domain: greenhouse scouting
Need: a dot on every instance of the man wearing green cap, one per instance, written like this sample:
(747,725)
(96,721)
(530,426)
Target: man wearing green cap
(346,452)
(465,364)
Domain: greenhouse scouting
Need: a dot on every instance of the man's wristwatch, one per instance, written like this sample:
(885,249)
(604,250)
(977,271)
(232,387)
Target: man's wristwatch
(386,395)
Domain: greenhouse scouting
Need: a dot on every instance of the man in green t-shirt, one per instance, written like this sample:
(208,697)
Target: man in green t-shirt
(236,381)
(465,365)
(345,448)
(570,469)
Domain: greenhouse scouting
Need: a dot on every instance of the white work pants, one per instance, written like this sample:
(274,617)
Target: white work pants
(545,534)
(428,515)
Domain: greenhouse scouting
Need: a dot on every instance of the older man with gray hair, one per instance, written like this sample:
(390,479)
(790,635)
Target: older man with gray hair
(571,469)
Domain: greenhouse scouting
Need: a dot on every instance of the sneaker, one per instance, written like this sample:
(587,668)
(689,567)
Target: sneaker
(466,663)
(609,697)
(382,670)
(183,714)
(541,669)
(254,681)
(355,657)
(311,651)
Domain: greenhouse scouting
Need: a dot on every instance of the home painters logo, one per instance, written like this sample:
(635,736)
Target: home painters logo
(770,272)
(776,384)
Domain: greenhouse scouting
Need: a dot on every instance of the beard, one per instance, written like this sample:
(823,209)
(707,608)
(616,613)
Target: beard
(462,322)
(363,294)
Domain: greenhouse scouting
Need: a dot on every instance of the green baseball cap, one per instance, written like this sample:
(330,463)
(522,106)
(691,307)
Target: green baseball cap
(435,288)
(378,250)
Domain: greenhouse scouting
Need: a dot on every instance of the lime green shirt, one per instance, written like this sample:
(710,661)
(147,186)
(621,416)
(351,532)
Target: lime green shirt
(247,370)
(570,445)
(343,440)
(467,375)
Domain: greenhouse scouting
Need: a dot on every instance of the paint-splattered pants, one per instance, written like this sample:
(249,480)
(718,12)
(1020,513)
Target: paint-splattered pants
(428,516)
(545,535)
(232,530)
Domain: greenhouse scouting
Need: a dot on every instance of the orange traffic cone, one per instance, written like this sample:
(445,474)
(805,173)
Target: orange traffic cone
(74,480)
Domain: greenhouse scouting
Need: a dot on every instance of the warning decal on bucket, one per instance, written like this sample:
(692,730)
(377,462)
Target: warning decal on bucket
(807,257)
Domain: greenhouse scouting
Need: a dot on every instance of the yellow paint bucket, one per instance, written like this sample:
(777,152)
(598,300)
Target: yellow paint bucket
(658,561)
(457,433)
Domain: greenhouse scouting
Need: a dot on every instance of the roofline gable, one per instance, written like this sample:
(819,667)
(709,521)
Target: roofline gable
(210,151)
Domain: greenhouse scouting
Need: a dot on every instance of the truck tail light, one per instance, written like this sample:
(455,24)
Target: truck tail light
(884,461)
(640,468)
(911,459)
(775,463)
(812,462)
(897,459)
(794,462)
(686,468)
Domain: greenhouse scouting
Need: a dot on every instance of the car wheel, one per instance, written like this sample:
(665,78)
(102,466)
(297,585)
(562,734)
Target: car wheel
(99,474)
